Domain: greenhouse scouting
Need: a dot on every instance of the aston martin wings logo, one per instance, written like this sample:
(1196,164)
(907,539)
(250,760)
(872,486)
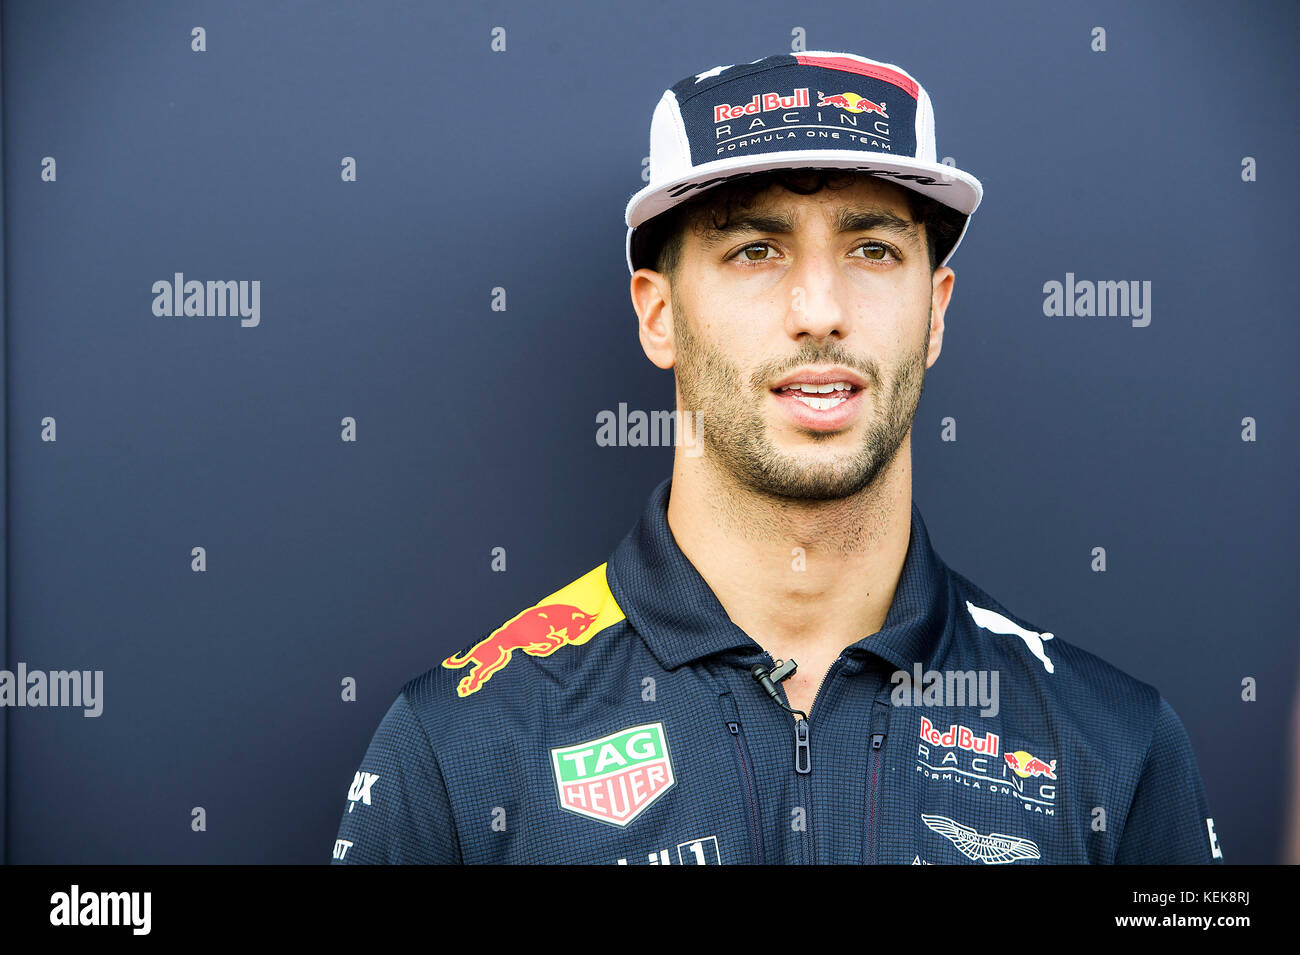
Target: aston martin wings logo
(993,849)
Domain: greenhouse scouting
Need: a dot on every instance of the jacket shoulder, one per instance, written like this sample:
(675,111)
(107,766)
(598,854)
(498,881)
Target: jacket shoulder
(1062,669)
(522,652)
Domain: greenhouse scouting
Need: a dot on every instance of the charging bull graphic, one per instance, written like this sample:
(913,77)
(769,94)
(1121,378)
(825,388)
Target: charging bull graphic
(1026,764)
(851,102)
(556,621)
(538,631)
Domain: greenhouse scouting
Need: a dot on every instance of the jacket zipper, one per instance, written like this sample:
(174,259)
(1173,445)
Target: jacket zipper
(737,737)
(877,743)
(803,752)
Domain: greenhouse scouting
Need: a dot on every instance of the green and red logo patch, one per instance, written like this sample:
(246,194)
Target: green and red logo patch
(615,778)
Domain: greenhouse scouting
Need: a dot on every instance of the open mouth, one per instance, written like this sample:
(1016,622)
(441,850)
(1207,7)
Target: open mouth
(818,397)
(816,407)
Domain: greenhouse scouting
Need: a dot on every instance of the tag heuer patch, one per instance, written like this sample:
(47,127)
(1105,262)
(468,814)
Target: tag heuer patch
(615,778)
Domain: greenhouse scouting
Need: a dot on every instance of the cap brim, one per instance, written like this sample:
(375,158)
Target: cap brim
(946,184)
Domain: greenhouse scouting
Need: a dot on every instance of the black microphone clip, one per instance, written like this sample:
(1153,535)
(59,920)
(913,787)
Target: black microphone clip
(768,679)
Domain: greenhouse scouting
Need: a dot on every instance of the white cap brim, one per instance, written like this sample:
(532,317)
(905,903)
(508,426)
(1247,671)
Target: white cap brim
(946,184)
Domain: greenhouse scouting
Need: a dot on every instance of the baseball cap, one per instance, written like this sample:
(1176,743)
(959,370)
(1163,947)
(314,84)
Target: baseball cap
(813,109)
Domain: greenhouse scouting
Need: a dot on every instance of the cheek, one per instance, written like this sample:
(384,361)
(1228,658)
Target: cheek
(732,339)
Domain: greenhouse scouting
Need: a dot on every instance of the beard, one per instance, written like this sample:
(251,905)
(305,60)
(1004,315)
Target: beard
(732,425)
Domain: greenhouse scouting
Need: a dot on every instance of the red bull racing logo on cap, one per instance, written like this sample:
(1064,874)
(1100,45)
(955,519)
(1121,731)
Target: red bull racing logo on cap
(851,102)
(760,103)
(798,102)
(569,617)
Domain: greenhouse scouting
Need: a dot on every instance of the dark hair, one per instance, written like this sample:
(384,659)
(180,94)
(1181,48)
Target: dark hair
(658,243)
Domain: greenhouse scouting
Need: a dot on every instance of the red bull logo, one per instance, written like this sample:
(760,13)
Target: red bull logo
(851,102)
(1026,765)
(759,104)
(539,632)
(558,620)
(959,758)
(961,737)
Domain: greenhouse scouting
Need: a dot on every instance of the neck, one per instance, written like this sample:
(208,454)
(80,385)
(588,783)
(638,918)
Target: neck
(795,575)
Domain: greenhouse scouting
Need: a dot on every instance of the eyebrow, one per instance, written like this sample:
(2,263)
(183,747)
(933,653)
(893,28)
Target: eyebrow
(780,223)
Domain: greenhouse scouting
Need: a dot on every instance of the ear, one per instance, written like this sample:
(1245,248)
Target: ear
(941,285)
(651,297)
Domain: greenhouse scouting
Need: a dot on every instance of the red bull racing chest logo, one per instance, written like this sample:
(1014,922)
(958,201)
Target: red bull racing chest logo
(1025,765)
(958,756)
(569,617)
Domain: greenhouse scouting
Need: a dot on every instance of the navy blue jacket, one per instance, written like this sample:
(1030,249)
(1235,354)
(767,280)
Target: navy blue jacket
(617,721)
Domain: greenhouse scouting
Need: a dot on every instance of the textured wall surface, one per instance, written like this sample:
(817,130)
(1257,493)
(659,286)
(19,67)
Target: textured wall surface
(229,519)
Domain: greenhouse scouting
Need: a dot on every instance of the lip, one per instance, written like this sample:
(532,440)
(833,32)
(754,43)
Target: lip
(809,376)
(816,419)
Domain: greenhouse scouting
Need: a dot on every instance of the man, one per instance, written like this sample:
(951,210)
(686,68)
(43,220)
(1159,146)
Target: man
(789,262)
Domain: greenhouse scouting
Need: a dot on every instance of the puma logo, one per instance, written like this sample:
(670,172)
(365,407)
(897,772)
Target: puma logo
(994,622)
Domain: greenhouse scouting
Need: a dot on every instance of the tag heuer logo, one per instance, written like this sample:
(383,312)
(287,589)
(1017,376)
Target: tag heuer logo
(615,778)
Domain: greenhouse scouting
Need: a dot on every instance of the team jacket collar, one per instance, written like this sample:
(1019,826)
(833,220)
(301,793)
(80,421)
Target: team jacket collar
(677,614)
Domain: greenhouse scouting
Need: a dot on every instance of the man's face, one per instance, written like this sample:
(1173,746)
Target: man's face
(751,308)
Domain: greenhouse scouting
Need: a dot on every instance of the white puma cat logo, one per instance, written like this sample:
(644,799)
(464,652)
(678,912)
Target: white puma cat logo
(994,622)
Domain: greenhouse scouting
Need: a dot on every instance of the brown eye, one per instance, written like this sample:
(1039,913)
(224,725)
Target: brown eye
(756,245)
(881,247)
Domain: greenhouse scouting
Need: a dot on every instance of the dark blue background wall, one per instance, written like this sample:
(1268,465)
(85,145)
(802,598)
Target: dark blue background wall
(475,427)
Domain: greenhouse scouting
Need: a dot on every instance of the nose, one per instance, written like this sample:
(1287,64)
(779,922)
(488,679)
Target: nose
(817,298)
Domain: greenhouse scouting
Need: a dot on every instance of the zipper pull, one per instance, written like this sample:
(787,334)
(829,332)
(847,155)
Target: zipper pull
(802,751)
(877,740)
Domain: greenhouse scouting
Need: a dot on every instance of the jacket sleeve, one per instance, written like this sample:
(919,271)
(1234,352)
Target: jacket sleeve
(1169,822)
(397,808)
